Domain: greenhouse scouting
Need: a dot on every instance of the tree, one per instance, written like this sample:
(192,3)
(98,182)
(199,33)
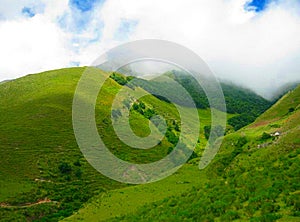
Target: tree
(242,120)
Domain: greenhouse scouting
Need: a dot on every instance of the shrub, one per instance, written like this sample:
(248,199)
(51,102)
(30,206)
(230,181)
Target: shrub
(149,113)
(77,163)
(118,78)
(172,138)
(292,109)
(265,136)
(135,106)
(142,105)
(241,141)
(65,168)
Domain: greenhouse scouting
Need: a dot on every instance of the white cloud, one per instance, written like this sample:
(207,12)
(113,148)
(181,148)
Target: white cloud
(261,51)
(30,45)
(255,50)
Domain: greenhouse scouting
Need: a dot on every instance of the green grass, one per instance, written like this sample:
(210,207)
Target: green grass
(36,137)
(243,183)
(128,200)
(12,187)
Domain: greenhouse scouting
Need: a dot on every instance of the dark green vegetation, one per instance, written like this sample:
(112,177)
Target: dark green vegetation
(241,101)
(238,100)
(44,177)
(254,177)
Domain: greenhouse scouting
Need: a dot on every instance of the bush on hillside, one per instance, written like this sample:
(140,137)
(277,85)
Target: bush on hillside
(265,136)
(65,168)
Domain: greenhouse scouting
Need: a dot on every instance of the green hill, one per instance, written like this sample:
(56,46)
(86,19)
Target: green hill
(254,177)
(40,158)
(238,99)
(43,174)
(241,101)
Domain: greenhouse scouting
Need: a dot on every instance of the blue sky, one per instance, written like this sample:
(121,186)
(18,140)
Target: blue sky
(84,5)
(257,5)
(28,12)
(125,28)
(251,42)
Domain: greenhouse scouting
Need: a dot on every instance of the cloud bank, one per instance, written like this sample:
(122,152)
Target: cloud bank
(257,46)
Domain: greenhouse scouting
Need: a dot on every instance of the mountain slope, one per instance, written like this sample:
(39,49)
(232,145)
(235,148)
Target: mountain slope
(238,99)
(37,141)
(244,102)
(253,178)
(43,174)
(40,157)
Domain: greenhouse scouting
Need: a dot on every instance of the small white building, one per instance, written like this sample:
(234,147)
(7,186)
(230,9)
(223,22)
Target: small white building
(277,133)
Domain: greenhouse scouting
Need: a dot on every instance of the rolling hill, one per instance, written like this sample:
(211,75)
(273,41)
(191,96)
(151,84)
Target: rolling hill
(254,177)
(44,176)
(243,102)
(40,158)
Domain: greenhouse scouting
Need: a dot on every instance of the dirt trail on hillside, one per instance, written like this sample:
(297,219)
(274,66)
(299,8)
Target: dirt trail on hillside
(46,200)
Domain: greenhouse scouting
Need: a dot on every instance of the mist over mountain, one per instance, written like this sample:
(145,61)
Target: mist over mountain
(269,90)
(283,90)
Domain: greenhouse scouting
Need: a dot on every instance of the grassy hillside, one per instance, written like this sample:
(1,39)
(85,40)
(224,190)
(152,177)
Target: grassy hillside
(43,174)
(241,101)
(37,144)
(254,177)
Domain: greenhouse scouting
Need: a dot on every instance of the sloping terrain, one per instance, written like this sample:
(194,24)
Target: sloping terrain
(39,154)
(40,158)
(254,177)
(241,101)
(42,167)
